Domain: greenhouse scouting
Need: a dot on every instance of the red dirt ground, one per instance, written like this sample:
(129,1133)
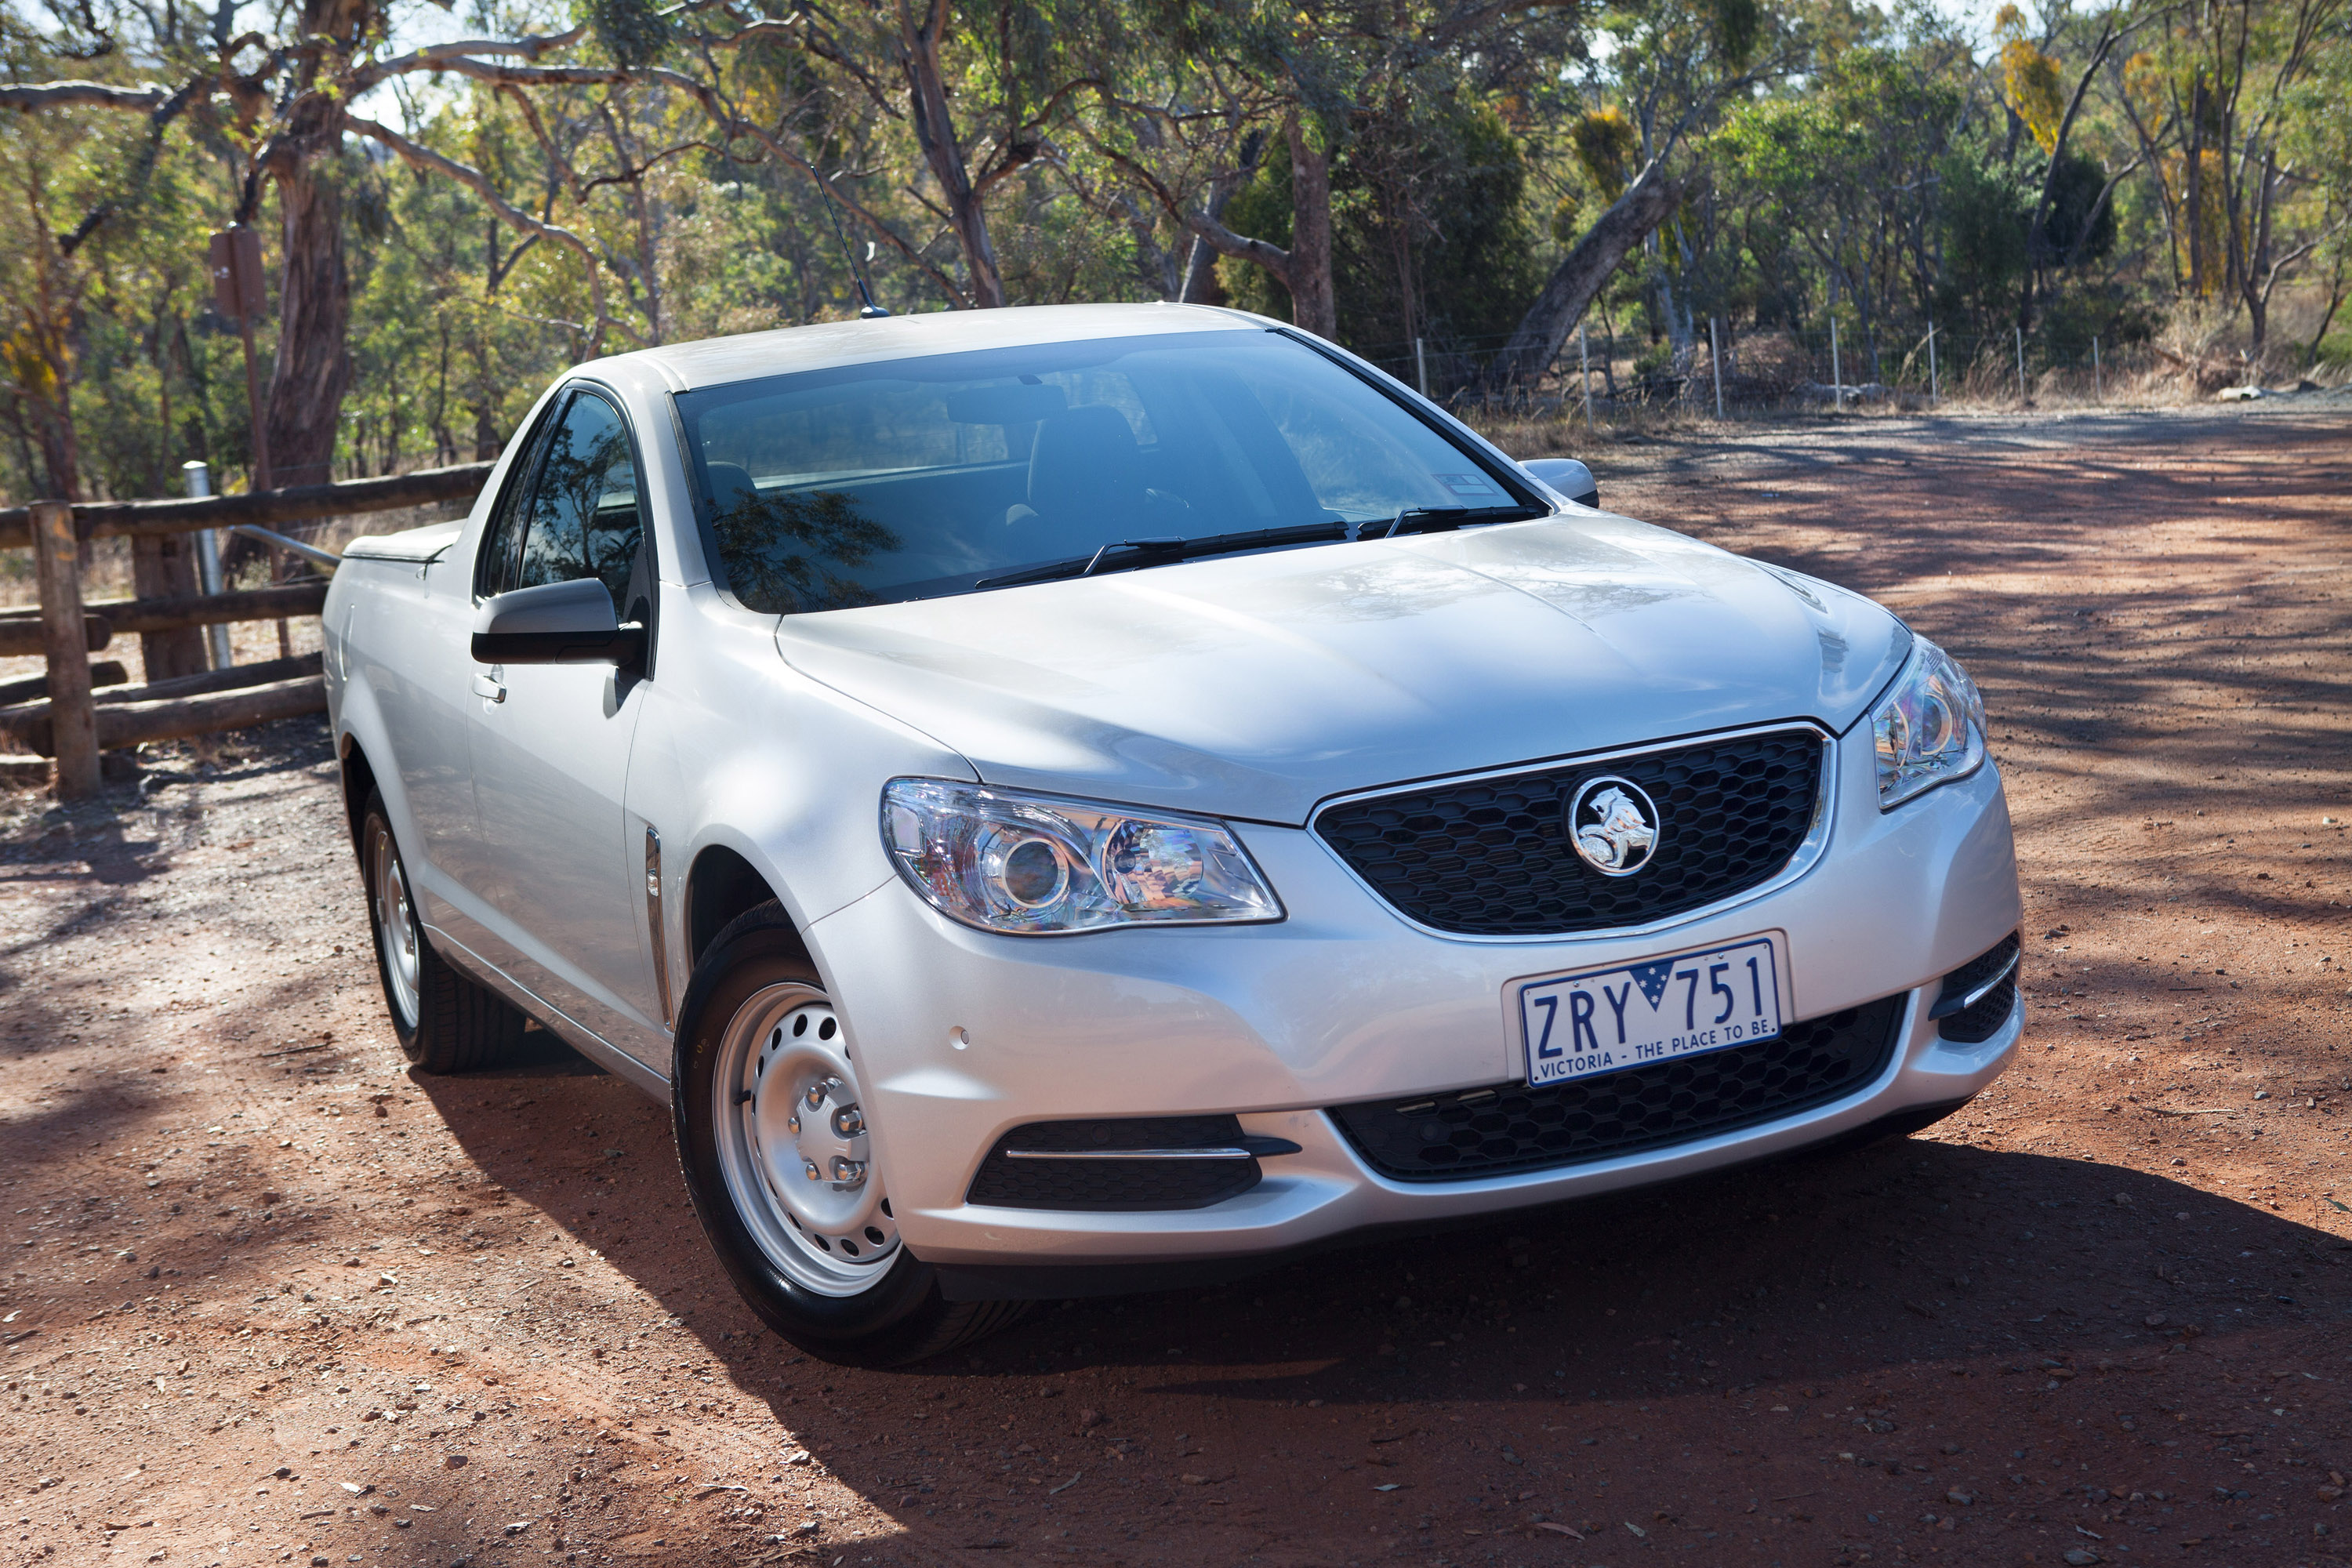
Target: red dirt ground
(268,1298)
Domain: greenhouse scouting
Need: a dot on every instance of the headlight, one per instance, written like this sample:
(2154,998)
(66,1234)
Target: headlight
(1033,866)
(1930,727)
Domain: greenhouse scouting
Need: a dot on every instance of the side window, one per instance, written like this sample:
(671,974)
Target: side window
(579,517)
(494,565)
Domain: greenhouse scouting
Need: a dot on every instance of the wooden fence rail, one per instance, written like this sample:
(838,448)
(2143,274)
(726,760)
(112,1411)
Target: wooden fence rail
(73,725)
(265,508)
(105,619)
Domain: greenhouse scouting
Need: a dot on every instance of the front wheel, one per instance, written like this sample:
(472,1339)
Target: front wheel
(444,1021)
(772,1133)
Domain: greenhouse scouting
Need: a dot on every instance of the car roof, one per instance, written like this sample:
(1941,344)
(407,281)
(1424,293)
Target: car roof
(716,361)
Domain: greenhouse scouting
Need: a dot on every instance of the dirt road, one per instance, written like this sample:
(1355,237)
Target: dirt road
(268,1299)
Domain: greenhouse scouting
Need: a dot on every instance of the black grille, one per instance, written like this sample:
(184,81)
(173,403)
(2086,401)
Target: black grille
(1114,1184)
(1494,1132)
(1975,1025)
(1493,857)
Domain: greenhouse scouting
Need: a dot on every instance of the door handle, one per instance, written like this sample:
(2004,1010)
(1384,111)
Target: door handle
(491,688)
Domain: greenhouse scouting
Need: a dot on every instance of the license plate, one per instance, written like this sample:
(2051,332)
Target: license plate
(1606,1020)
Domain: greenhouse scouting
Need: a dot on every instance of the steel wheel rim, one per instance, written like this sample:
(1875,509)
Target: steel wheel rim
(792,1144)
(396,936)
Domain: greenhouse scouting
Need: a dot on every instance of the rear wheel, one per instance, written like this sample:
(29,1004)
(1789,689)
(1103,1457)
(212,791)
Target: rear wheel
(444,1021)
(772,1135)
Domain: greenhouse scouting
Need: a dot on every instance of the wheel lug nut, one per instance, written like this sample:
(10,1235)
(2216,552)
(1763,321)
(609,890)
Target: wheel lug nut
(813,1173)
(848,1121)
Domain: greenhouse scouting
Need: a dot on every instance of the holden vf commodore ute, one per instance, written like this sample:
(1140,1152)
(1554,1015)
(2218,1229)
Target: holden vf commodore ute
(1059,800)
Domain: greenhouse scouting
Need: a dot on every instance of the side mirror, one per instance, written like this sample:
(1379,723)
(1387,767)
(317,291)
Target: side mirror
(1569,476)
(557,623)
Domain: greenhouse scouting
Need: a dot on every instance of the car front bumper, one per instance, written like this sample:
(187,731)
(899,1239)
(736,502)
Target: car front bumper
(961,1035)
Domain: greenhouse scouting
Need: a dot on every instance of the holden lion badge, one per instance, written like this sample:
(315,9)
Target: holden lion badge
(1613,825)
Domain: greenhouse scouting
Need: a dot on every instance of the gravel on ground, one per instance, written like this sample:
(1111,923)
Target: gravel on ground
(268,1297)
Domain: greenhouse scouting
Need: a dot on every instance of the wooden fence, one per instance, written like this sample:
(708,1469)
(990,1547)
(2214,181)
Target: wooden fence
(79,709)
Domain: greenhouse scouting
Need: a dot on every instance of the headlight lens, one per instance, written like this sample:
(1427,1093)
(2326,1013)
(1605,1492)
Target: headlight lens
(1033,866)
(1930,727)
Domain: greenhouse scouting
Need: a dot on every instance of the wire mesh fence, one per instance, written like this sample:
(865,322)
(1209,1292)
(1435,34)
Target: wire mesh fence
(1750,372)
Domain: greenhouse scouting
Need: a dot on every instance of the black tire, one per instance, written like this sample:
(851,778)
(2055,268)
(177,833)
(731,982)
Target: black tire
(754,966)
(444,1021)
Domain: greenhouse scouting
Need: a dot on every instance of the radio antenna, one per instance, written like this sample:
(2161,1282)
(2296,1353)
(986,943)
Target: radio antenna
(868,310)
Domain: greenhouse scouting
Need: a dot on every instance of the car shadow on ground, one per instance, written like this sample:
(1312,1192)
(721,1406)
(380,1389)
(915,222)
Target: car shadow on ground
(1681,1351)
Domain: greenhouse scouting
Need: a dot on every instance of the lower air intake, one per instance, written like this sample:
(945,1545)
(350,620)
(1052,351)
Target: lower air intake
(1510,1127)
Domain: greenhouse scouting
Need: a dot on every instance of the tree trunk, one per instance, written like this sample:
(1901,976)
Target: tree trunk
(1312,304)
(2259,273)
(2197,187)
(165,568)
(313,367)
(927,98)
(1535,343)
(1201,286)
(46,375)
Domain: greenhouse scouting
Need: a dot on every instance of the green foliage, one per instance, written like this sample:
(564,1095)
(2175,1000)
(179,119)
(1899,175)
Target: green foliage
(2073,192)
(632,32)
(1841,160)
(1605,143)
(1983,214)
(1431,235)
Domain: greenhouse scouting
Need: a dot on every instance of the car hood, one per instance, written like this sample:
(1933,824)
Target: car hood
(1255,686)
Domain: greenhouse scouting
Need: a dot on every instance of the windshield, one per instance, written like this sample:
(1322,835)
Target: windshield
(916,478)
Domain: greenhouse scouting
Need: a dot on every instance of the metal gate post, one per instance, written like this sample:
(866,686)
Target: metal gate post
(208,561)
(1714,363)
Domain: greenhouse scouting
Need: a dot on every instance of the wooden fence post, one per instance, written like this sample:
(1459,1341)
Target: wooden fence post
(57,555)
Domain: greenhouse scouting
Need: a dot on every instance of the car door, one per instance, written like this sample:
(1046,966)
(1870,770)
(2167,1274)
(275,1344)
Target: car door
(551,742)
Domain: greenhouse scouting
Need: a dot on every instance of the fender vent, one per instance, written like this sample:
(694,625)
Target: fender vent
(1123,1164)
(1979,996)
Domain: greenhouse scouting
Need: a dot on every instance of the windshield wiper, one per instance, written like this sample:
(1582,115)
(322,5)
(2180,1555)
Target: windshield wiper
(1442,520)
(1130,553)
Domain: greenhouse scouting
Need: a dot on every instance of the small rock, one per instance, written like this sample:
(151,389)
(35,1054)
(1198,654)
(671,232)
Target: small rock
(517,1527)
(805,1531)
(2153,1321)
(799,1458)
(1961,1497)
(2123,1200)
(1192,1480)
(1089,1417)
(2081,1556)
(454,1462)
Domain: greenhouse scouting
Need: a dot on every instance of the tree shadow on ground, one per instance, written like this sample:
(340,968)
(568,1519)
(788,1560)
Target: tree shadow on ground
(1874,1329)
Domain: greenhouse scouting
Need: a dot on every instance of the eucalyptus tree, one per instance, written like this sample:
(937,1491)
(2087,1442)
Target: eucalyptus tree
(1188,106)
(1673,67)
